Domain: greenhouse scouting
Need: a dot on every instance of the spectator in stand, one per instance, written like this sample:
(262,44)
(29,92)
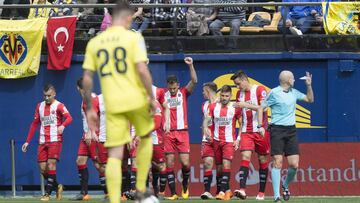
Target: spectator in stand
(298,19)
(90,19)
(228,16)
(165,17)
(41,12)
(141,17)
(198,19)
(64,11)
(19,13)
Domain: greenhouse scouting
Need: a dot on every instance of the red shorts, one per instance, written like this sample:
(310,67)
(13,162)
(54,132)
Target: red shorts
(51,150)
(102,153)
(177,141)
(158,154)
(255,142)
(86,150)
(129,153)
(223,150)
(207,149)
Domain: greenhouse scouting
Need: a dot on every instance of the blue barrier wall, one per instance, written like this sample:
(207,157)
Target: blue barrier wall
(333,117)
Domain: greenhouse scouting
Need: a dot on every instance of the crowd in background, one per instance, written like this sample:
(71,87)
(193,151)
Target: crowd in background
(193,21)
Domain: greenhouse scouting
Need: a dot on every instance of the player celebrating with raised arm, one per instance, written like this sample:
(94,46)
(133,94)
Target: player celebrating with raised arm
(224,115)
(283,139)
(89,148)
(53,117)
(119,56)
(207,145)
(178,138)
(253,136)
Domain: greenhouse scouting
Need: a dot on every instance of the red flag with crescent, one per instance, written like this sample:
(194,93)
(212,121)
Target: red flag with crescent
(60,41)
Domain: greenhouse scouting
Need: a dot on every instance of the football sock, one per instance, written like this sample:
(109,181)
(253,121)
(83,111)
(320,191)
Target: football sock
(133,179)
(163,179)
(113,183)
(225,180)
(51,182)
(218,182)
(125,180)
(186,174)
(263,174)
(275,178)
(143,161)
(208,176)
(84,178)
(103,182)
(243,173)
(171,180)
(155,180)
(290,176)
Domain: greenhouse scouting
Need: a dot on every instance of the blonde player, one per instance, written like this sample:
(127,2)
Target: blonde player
(119,57)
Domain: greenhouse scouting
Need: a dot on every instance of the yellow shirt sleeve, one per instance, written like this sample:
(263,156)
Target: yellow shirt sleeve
(140,50)
(89,60)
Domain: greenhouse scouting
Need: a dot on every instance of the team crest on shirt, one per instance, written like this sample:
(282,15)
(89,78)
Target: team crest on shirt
(263,93)
(52,112)
(179,95)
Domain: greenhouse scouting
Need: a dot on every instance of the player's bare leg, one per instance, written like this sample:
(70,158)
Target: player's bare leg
(275,175)
(113,173)
(293,162)
(263,174)
(208,177)
(225,193)
(83,173)
(243,174)
(170,158)
(185,163)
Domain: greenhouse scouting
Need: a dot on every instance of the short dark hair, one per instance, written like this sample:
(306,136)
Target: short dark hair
(211,85)
(239,74)
(225,89)
(79,83)
(121,6)
(47,87)
(171,79)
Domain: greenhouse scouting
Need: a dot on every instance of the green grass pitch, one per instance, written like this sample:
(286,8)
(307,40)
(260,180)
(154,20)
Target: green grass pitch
(197,200)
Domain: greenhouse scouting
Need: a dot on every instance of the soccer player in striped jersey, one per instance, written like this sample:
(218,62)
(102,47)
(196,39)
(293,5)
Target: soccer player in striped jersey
(207,144)
(178,138)
(92,149)
(224,117)
(253,136)
(53,117)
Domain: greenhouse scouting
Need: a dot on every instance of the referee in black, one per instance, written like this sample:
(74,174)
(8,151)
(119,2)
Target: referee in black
(282,101)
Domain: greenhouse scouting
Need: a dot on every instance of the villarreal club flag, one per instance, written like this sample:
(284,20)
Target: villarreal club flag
(20,47)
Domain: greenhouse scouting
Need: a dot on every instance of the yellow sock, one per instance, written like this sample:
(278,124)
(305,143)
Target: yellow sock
(143,161)
(113,179)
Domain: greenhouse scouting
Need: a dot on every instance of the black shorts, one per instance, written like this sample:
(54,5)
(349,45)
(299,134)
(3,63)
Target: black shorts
(283,140)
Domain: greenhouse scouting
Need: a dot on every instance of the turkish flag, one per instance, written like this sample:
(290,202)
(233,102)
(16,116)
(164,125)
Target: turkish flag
(60,41)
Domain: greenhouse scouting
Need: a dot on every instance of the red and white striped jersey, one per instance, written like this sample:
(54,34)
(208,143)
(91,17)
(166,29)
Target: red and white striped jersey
(178,108)
(255,96)
(224,121)
(157,134)
(157,92)
(102,129)
(51,117)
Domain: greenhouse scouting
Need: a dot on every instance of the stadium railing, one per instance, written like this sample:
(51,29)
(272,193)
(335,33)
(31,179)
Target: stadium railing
(173,37)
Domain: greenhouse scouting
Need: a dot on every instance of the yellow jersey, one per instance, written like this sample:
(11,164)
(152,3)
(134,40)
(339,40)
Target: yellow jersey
(113,54)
